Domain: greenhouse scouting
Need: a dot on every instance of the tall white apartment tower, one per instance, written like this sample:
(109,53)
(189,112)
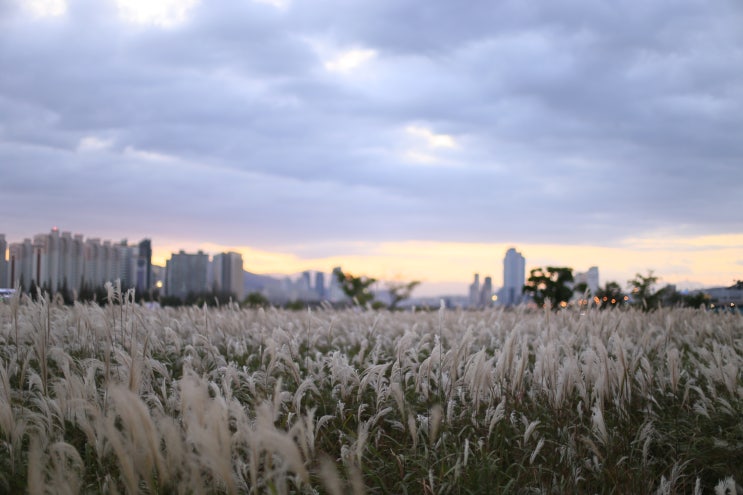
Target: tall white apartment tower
(40,261)
(4,276)
(73,264)
(590,278)
(20,264)
(474,294)
(486,293)
(65,260)
(335,291)
(186,273)
(320,284)
(514,270)
(92,273)
(3,263)
(228,274)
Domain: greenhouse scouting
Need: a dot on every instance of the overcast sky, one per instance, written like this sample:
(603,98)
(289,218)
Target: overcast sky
(378,132)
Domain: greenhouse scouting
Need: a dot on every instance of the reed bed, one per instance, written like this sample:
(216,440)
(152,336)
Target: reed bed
(125,399)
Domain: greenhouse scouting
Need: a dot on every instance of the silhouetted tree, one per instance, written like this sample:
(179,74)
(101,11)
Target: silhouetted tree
(643,294)
(610,296)
(296,305)
(173,301)
(400,292)
(356,288)
(88,293)
(213,297)
(256,300)
(33,290)
(66,293)
(696,300)
(550,284)
(669,296)
(581,289)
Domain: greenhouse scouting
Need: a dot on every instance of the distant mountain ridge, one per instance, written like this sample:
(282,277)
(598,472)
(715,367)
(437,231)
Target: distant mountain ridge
(254,282)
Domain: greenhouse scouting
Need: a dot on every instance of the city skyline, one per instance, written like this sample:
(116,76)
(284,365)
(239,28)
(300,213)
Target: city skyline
(455,286)
(401,139)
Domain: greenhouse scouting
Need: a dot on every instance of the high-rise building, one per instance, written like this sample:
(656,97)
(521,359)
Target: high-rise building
(474,293)
(228,274)
(3,263)
(186,273)
(40,261)
(134,265)
(486,293)
(514,275)
(93,275)
(590,278)
(56,262)
(60,261)
(111,264)
(131,264)
(304,283)
(335,291)
(144,280)
(320,285)
(71,261)
(20,264)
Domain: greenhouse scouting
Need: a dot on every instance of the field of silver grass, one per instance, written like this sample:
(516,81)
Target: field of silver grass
(124,399)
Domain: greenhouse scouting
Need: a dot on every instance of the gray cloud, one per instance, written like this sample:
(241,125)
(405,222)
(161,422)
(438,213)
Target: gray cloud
(577,121)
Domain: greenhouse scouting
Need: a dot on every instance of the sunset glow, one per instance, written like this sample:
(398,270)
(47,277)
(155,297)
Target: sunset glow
(402,140)
(708,261)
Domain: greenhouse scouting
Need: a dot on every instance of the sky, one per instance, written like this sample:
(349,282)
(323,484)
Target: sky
(400,139)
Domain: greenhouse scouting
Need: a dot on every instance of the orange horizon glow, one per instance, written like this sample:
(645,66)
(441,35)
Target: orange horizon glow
(701,260)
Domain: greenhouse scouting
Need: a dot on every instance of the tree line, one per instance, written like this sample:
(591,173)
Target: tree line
(550,286)
(357,290)
(554,286)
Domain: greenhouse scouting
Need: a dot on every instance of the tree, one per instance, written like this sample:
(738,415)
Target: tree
(643,294)
(33,290)
(550,284)
(256,300)
(356,288)
(295,305)
(400,291)
(173,301)
(669,296)
(610,296)
(211,298)
(695,300)
(581,289)
(66,293)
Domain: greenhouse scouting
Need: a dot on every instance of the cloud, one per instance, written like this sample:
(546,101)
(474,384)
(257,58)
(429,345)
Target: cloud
(349,60)
(46,8)
(571,122)
(150,156)
(279,4)
(162,13)
(433,140)
(93,143)
(424,158)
